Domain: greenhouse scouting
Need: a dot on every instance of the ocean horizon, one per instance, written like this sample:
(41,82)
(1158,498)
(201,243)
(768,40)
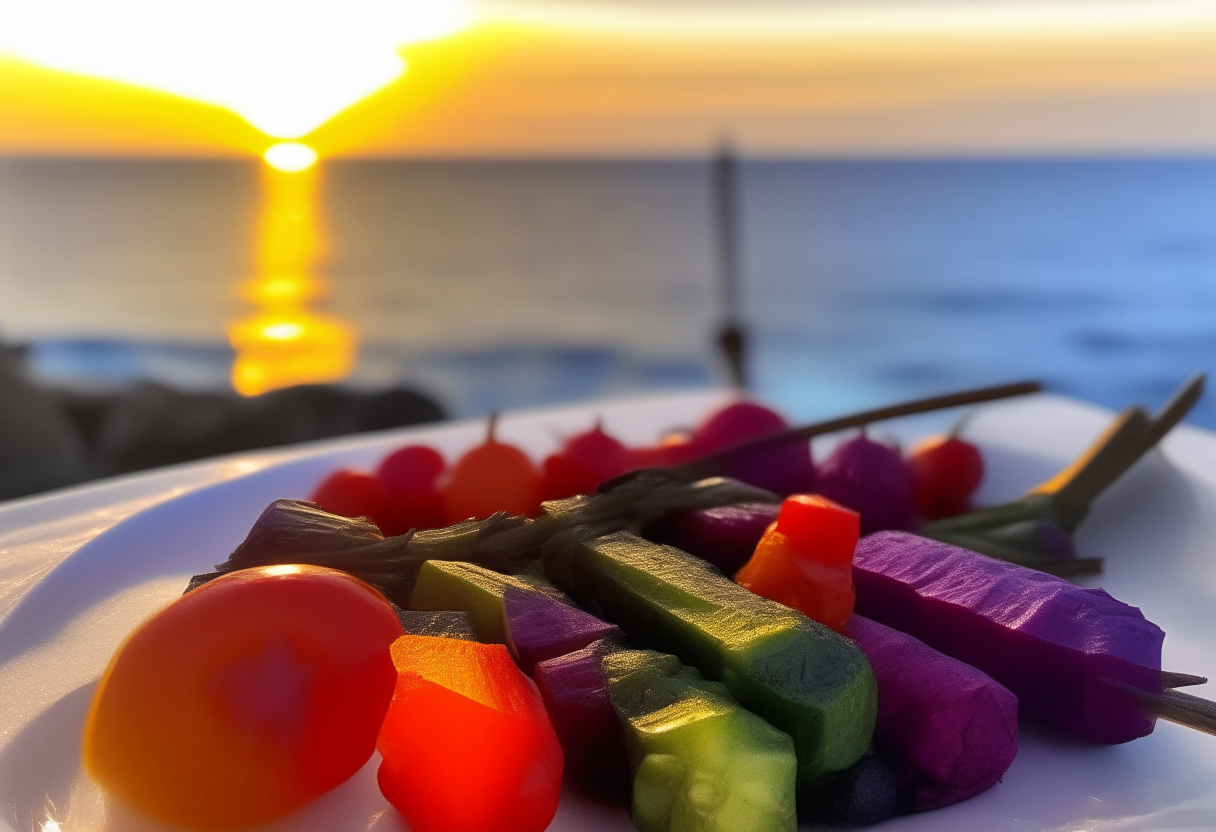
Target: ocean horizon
(497,284)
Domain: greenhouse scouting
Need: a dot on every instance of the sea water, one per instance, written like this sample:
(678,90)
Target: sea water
(499,284)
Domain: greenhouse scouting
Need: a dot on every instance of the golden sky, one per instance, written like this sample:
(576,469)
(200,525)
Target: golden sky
(674,78)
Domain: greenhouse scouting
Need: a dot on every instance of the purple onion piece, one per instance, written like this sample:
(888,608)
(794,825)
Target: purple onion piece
(1053,644)
(726,536)
(539,627)
(948,730)
(872,479)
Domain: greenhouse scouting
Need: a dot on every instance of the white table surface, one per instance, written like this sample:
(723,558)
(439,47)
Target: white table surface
(80,567)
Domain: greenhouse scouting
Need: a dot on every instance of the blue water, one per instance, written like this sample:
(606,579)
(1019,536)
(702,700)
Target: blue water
(887,279)
(503,284)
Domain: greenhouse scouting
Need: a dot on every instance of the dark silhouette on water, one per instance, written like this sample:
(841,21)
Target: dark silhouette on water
(51,438)
(732,338)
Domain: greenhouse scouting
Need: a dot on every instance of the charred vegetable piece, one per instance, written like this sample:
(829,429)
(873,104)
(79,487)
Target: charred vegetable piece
(861,795)
(725,536)
(701,762)
(466,744)
(442,623)
(948,730)
(800,676)
(805,560)
(539,627)
(290,531)
(1053,644)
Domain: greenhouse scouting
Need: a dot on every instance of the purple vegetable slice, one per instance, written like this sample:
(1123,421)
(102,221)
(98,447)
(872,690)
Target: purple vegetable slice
(539,627)
(948,730)
(1053,644)
(574,688)
(725,536)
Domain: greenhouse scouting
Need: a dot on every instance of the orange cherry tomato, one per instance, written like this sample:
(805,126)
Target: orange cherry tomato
(492,477)
(244,698)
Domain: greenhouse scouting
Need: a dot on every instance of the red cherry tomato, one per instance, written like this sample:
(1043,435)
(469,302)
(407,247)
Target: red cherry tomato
(245,698)
(410,478)
(354,494)
(585,461)
(946,471)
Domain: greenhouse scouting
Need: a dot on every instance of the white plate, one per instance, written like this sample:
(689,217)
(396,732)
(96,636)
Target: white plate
(79,568)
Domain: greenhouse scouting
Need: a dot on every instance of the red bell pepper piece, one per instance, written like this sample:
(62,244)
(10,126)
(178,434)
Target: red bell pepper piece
(467,745)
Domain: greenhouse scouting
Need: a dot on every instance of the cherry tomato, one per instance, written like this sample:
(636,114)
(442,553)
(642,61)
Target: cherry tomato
(492,477)
(244,698)
(946,471)
(410,478)
(354,494)
(585,461)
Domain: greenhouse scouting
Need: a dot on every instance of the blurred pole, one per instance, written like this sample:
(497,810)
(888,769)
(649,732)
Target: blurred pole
(731,337)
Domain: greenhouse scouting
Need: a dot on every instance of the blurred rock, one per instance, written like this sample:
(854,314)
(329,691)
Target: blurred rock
(152,425)
(40,445)
(50,438)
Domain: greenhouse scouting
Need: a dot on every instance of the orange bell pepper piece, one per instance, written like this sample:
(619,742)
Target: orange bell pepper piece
(805,559)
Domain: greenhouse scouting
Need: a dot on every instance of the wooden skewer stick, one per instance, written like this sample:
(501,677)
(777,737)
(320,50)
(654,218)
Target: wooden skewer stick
(1170,679)
(709,465)
(1175,706)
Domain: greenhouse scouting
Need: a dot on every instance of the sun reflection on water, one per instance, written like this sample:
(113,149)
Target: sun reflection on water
(284,342)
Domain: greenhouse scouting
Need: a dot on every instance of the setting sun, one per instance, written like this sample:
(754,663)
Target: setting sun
(290,157)
(285,66)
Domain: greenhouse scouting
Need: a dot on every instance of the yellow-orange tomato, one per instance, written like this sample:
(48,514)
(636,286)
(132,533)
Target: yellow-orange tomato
(244,698)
